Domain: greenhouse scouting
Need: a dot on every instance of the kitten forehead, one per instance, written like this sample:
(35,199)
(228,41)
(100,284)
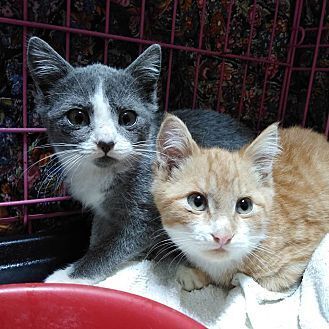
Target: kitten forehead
(84,81)
(99,101)
(220,174)
(228,171)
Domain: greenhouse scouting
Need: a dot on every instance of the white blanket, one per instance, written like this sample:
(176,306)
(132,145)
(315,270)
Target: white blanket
(247,305)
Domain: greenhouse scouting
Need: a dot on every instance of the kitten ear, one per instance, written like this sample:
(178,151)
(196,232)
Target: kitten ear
(146,70)
(45,64)
(263,150)
(174,143)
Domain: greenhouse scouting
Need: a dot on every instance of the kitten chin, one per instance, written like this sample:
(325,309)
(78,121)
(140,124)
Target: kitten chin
(105,162)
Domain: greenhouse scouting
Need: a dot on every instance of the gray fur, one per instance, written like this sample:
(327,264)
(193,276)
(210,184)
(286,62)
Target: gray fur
(126,219)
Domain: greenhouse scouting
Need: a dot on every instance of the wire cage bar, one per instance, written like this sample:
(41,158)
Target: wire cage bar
(314,39)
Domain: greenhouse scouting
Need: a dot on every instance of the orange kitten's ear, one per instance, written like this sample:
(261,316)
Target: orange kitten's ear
(264,149)
(174,142)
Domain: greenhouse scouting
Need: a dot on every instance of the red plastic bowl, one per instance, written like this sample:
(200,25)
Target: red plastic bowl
(66,306)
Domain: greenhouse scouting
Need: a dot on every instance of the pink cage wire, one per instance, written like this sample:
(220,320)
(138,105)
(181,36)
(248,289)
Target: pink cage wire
(297,37)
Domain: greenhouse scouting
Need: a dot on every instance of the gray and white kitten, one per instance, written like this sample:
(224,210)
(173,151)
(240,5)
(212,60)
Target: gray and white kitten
(103,122)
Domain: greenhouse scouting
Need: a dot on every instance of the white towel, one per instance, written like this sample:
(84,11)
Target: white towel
(248,305)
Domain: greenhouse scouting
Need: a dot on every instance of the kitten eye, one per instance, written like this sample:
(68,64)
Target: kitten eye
(197,201)
(244,206)
(78,117)
(127,118)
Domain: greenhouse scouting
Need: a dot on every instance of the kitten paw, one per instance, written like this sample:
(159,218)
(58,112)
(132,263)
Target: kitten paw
(62,276)
(191,278)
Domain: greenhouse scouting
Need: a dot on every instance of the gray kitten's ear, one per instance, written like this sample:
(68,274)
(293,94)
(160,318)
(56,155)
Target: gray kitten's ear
(45,64)
(146,70)
(174,143)
(263,150)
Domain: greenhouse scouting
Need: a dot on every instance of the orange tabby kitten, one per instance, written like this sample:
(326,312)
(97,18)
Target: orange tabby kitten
(261,210)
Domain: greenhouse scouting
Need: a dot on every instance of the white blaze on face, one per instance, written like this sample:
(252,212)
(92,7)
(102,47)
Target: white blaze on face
(106,127)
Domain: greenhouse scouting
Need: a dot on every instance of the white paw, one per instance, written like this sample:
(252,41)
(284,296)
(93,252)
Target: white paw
(62,276)
(191,278)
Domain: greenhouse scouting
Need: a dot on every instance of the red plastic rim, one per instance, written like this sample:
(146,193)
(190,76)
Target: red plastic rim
(68,306)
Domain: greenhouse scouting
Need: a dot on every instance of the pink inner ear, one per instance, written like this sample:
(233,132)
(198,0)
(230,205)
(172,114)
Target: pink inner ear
(174,142)
(173,157)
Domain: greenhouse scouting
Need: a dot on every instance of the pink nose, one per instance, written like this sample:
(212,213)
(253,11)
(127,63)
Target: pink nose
(222,240)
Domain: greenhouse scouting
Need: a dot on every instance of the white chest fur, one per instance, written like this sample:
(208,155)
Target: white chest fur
(220,272)
(88,185)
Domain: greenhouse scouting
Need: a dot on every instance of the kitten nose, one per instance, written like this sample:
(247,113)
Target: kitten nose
(222,240)
(105,147)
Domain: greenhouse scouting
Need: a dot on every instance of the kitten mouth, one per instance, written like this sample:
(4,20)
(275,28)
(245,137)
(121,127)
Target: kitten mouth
(104,161)
(217,251)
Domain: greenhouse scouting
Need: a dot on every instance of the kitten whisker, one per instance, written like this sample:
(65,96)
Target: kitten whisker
(182,257)
(56,145)
(51,173)
(65,162)
(45,158)
(166,256)
(158,245)
(77,167)
(144,143)
(146,151)
(158,234)
(70,167)
(261,269)
(161,234)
